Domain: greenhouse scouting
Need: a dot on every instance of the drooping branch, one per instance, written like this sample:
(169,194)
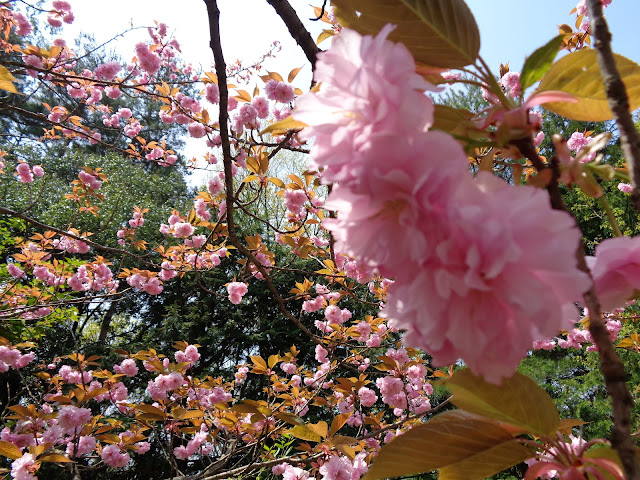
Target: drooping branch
(616,95)
(297,30)
(611,364)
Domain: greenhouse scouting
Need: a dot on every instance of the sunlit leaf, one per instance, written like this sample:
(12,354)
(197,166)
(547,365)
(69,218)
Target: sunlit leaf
(439,33)
(303,432)
(539,62)
(6,80)
(456,121)
(324,35)
(449,439)
(281,127)
(518,401)
(579,75)
(9,450)
(293,74)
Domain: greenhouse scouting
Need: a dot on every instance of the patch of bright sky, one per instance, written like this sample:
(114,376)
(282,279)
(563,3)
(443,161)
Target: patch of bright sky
(509,30)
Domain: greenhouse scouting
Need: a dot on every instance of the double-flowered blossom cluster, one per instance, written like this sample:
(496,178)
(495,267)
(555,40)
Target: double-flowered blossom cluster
(481,269)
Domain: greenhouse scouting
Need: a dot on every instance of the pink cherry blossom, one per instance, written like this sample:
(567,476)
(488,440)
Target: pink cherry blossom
(616,270)
(236,291)
(368,87)
(71,417)
(24,467)
(113,456)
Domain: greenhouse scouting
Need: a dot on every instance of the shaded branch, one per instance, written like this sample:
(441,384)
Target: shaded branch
(616,95)
(297,30)
(611,364)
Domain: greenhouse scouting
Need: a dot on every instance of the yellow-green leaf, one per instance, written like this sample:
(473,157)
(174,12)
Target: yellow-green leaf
(456,121)
(6,80)
(192,414)
(579,75)
(250,178)
(451,438)
(9,450)
(518,401)
(278,128)
(321,428)
(324,35)
(303,432)
(488,462)
(439,33)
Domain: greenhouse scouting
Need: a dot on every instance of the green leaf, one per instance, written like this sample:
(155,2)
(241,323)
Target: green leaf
(453,441)
(539,62)
(456,121)
(579,75)
(439,33)
(519,401)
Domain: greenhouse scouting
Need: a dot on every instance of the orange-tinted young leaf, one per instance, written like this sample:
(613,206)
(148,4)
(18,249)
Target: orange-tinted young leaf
(281,127)
(55,458)
(324,34)
(275,76)
(9,450)
(293,74)
(6,80)
(338,422)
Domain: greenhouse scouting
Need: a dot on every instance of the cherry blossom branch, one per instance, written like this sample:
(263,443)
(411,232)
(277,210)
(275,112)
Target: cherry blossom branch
(616,95)
(297,30)
(216,47)
(36,223)
(611,364)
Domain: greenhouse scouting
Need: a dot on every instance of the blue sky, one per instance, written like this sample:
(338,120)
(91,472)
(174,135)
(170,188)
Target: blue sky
(513,29)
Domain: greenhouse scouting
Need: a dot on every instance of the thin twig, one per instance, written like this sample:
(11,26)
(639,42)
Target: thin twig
(216,47)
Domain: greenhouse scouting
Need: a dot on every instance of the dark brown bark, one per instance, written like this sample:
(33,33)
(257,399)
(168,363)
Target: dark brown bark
(616,95)
(611,364)
(297,30)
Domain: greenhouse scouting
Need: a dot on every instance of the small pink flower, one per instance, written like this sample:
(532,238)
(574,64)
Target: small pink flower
(616,270)
(113,456)
(625,187)
(236,291)
(183,229)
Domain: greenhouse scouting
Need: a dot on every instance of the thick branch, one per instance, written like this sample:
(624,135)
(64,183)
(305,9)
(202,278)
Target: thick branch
(611,364)
(297,30)
(617,96)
